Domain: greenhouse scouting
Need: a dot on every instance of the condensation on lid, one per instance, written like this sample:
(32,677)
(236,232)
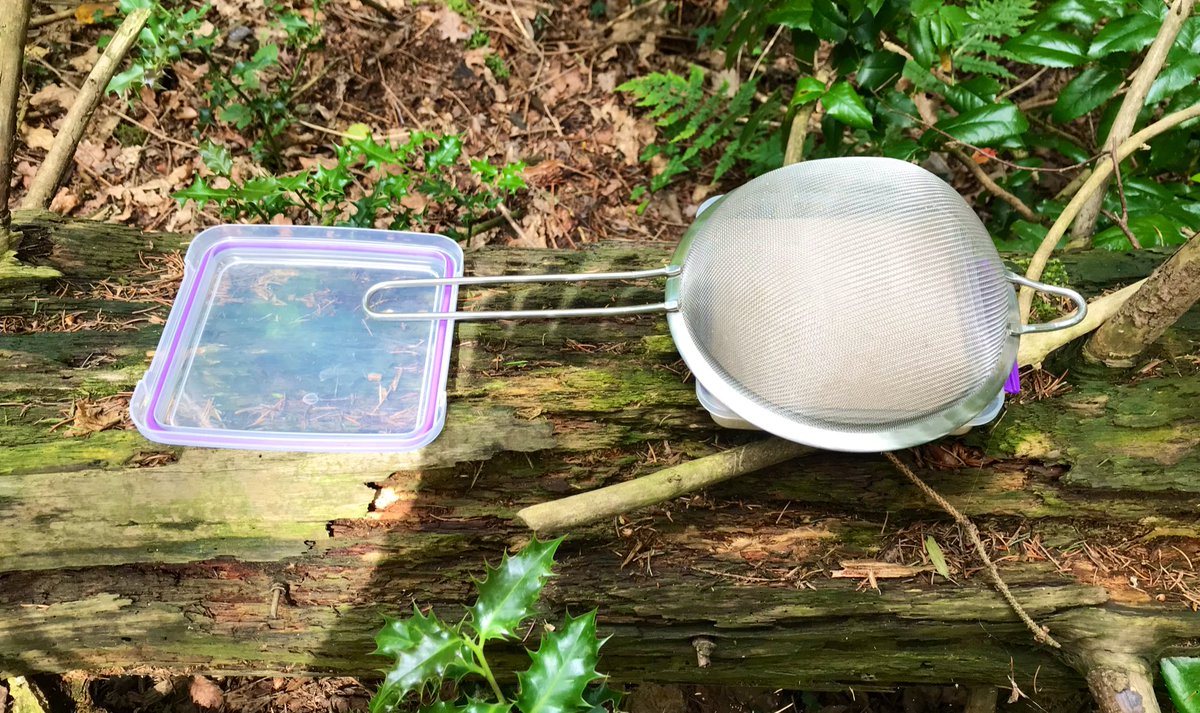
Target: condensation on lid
(267,346)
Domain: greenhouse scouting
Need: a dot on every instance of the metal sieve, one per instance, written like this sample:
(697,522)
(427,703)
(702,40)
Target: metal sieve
(854,304)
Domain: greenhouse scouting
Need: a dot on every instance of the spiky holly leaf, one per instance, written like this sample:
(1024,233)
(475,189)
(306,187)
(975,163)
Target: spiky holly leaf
(471,706)
(562,668)
(507,593)
(424,649)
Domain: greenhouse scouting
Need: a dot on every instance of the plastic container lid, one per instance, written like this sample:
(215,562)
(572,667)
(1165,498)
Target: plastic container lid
(267,346)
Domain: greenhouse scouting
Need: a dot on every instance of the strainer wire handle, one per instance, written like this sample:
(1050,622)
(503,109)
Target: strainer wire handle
(481,315)
(1069,321)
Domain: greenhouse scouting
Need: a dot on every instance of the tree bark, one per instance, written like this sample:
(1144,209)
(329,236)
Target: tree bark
(1165,297)
(13,24)
(119,555)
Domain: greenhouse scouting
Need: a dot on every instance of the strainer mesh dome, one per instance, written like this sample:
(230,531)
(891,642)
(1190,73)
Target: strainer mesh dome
(847,294)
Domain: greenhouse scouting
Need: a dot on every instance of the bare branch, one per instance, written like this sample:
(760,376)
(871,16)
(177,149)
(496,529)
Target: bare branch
(13,25)
(45,182)
(1131,105)
(992,187)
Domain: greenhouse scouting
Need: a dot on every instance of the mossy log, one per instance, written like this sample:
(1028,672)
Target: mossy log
(120,555)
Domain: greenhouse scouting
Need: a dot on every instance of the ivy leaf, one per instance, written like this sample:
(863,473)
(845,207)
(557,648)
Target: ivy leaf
(1175,77)
(1088,90)
(563,666)
(425,649)
(1182,676)
(936,557)
(844,104)
(808,89)
(507,593)
(986,126)
(1048,48)
(1127,34)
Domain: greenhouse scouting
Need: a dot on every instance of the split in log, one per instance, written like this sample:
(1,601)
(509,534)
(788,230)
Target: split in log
(120,555)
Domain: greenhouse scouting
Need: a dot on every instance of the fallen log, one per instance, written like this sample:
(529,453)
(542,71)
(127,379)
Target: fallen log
(120,555)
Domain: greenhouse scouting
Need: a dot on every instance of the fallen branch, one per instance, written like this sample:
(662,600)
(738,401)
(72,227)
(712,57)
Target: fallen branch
(1036,347)
(666,484)
(43,20)
(13,26)
(1123,684)
(992,187)
(1099,176)
(1135,97)
(1161,300)
(50,173)
(1041,634)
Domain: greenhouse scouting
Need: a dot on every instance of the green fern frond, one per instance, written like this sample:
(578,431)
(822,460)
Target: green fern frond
(1000,18)
(979,65)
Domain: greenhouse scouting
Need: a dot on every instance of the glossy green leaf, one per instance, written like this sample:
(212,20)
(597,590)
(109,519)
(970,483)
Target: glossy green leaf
(129,79)
(793,14)
(1182,677)
(597,696)
(447,152)
(844,104)
(828,20)
(1082,13)
(239,115)
(936,557)
(562,668)
(424,649)
(1088,90)
(1154,230)
(877,69)
(1126,34)
(1048,48)
(808,89)
(508,592)
(1172,78)
(986,126)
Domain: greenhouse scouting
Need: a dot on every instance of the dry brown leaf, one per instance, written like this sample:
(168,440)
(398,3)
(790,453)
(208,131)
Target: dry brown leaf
(53,94)
(85,61)
(205,693)
(87,13)
(64,201)
(39,137)
(93,416)
(450,25)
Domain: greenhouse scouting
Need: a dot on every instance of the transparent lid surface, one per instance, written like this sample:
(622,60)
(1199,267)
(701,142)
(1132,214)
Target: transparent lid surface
(267,346)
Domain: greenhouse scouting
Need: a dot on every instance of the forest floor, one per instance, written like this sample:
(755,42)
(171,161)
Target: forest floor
(399,66)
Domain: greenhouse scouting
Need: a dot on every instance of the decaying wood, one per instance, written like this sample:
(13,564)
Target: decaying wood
(120,555)
(1165,297)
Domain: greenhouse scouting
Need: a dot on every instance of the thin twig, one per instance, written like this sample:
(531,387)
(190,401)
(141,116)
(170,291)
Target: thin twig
(42,20)
(1123,224)
(1040,633)
(992,187)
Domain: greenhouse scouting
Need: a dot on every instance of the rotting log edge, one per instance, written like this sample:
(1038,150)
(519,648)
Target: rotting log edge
(110,568)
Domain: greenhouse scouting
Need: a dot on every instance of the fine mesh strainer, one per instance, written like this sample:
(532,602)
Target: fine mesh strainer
(854,304)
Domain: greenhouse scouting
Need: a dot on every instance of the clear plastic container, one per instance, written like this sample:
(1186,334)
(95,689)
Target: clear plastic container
(267,346)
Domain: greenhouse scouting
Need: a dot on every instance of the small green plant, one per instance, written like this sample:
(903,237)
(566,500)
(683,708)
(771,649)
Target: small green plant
(408,184)
(165,38)
(496,63)
(432,659)
(256,95)
(692,121)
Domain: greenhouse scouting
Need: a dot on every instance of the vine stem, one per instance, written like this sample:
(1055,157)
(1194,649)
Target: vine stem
(1039,633)
(477,649)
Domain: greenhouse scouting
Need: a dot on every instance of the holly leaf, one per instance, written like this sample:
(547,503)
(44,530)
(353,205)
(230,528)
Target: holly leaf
(446,153)
(987,125)
(562,668)
(1127,34)
(1088,90)
(597,696)
(216,157)
(1048,48)
(130,78)
(508,592)
(201,193)
(239,115)
(844,104)
(424,648)
(1182,676)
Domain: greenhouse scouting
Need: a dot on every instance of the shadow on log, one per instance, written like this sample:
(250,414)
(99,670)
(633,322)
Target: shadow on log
(120,555)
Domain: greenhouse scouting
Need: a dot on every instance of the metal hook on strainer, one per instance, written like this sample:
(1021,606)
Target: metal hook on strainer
(853,304)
